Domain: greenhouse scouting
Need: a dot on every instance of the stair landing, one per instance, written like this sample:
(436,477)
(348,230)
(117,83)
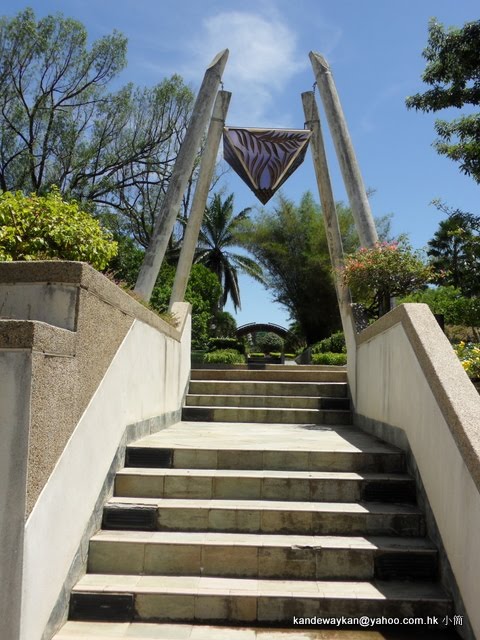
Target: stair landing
(256,436)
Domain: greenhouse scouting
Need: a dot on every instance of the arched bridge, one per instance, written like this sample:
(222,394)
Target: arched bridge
(254,327)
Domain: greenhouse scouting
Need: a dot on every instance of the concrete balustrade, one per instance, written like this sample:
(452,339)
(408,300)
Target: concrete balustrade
(411,391)
(84,368)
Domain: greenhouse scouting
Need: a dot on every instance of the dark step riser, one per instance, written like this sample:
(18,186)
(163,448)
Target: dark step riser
(140,457)
(325,390)
(293,563)
(265,375)
(230,488)
(269,402)
(268,521)
(239,609)
(269,416)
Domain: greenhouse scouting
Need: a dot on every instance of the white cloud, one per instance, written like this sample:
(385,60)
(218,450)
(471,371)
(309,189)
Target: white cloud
(263,58)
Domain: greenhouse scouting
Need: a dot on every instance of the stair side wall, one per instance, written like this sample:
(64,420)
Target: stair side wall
(96,361)
(408,377)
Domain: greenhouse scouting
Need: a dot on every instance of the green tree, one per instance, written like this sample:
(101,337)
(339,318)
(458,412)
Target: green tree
(290,244)
(454,251)
(376,274)
(219,233)
(453,72)
(60,126)
(203,291)
(456,308)
(46,227)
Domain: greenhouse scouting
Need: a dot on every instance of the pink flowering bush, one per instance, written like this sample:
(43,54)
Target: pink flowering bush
(388,269)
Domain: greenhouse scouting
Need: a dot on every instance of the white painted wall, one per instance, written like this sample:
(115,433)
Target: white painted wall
(147,378)
(392,388)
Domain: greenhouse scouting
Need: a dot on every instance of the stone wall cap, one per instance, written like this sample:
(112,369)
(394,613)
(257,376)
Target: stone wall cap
(84,276)
(37,336)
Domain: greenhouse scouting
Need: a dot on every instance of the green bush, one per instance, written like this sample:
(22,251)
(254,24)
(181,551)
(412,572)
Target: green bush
(329,358)
(224,356)
(388,269)
(290,356)
(258,354)
(226,343)
(48,228)
(469,355)
(334,344)
(269,342)
(224,325)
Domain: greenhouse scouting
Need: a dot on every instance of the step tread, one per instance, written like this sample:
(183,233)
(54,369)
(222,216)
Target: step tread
(74,630)
(199,585)
(263,473)
(381,543)
(271,409)
(274,505)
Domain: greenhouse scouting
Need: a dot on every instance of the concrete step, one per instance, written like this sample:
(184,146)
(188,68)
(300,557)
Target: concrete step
(252,484)
(276,375)
(266,415)
(263,516)
(75,630)
(262,556)
(369,459)
(287,402)
(272,388)
(124,598)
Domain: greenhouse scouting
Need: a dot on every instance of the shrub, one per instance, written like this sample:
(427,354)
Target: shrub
(269,342)
(329,358)
(226,343)
(224,356)
(385,270)
(224,325)
(334,344)
(258,354)
(469,354)
(48,228)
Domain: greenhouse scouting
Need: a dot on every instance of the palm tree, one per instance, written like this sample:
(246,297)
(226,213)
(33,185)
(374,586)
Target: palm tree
(219,233)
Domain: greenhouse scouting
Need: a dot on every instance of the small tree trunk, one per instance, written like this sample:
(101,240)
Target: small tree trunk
(384,303)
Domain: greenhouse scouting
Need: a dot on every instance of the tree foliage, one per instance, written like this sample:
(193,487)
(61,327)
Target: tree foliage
(448,301)
(290,244)
(60,126)
(454,251)
(453,72)
(386,270)
(46,227)
(218,234)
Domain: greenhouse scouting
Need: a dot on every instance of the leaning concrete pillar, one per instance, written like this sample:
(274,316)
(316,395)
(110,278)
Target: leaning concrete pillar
(181,173)
(334,238)
(205,175)
(352,177)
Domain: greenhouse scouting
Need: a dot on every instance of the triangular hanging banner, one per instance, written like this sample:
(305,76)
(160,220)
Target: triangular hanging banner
(264,158)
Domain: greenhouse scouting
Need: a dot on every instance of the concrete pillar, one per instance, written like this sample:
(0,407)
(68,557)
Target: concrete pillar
(334,237)
(345,152)
(181,173)
(205,175)
(332,228)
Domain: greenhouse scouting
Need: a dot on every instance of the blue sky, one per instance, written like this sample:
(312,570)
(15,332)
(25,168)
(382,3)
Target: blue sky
(374,49)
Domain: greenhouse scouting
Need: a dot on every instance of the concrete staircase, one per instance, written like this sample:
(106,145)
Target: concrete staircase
(275,394)
(284,510)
